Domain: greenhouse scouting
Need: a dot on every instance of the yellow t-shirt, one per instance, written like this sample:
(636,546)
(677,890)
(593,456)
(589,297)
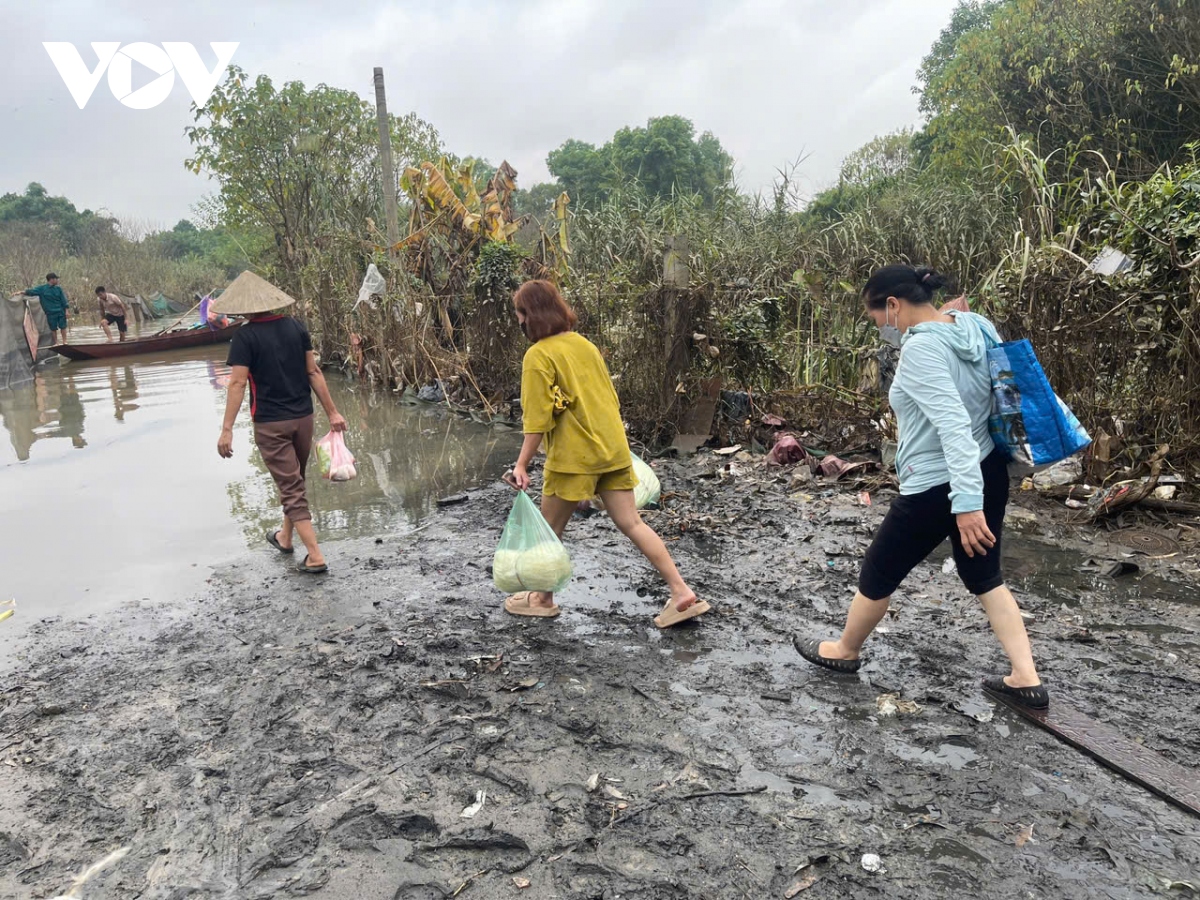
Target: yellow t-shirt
(568,395)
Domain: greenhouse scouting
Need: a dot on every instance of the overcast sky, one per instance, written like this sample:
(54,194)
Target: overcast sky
(500,79)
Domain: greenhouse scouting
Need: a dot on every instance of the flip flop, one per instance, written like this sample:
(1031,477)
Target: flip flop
(273,540)
(672,616)
(1036,697)
(312,570)
(811,650)
(518,605)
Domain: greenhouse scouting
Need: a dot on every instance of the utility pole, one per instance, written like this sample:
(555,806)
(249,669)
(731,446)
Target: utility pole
(385,159)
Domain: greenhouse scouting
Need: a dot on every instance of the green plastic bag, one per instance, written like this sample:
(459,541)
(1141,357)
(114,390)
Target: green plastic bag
(648,490)
(529,557)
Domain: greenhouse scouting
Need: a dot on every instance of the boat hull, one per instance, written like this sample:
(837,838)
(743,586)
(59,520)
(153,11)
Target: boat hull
(175,340)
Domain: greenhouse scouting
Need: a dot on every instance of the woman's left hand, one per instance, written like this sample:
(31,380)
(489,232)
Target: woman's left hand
(518,477)
(975,534)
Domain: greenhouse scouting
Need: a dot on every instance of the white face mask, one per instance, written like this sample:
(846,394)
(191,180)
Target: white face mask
(890,333)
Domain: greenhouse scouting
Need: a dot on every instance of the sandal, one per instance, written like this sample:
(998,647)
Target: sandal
(273,540)
(312,570)
(672,616)
(1036,697)
(811,650)
(518,605)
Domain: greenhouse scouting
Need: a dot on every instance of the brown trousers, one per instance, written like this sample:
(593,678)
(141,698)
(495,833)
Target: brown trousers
(285,447)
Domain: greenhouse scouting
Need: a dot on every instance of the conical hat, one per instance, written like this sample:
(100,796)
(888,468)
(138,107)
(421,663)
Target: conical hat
(250,294)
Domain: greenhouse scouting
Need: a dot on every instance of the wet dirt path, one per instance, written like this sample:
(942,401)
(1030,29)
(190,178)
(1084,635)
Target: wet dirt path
(282,736)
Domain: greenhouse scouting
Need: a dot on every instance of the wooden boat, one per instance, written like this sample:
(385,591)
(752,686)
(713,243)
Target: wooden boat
(172,340)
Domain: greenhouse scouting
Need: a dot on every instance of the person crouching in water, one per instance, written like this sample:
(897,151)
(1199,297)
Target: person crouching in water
(953,480)
(568,400)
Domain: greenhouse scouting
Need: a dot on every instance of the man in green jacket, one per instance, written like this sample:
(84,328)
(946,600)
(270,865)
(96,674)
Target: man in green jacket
(54,305)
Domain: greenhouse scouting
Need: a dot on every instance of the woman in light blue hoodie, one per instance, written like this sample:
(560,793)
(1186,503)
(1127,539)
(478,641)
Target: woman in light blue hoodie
(953,481)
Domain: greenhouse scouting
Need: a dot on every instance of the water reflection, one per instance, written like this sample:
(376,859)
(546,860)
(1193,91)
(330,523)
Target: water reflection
(128,447)
(45,409)
(124,390)
(407,457)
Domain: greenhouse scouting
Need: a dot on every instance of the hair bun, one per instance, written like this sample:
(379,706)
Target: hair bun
(931,279)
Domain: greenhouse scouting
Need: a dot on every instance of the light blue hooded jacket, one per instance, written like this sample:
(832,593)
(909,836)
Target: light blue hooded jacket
(942,396)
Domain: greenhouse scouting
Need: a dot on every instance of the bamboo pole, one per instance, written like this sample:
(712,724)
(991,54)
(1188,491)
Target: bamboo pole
(177,321)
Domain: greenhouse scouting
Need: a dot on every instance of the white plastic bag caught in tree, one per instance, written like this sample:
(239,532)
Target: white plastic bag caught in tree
(373,284)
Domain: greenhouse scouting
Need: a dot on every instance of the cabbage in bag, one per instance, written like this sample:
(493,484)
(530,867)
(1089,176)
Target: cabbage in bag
(335,458)
(648,490)
(529,557)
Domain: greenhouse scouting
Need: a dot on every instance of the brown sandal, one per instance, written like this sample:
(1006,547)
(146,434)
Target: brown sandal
(518,605)
(672,616)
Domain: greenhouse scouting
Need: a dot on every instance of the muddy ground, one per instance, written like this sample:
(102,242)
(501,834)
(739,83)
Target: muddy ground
(289,736)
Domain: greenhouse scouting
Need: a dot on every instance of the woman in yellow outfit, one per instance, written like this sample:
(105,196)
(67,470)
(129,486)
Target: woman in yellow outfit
(568,400)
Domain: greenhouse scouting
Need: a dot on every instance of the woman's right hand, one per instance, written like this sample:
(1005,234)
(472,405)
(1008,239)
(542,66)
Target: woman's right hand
(974,532)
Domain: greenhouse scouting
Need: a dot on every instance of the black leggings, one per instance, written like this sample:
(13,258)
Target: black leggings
(916,524)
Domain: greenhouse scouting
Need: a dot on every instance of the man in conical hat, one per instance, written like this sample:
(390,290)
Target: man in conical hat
(273,354)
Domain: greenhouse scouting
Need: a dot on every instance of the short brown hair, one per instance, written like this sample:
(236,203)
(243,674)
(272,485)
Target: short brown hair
(546,312)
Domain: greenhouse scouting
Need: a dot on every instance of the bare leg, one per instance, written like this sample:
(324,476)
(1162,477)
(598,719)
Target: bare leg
(107,330)
(284,535)
(557,512)
(864,615)
(308,537)
(1005,616)
(622,509)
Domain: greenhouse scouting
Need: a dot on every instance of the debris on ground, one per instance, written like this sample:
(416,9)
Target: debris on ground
(872,863)
(890,704)
(475,808)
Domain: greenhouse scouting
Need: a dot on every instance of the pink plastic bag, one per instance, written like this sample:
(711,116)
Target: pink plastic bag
(337,462)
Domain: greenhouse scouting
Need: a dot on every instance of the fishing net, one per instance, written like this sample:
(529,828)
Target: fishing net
(16,361)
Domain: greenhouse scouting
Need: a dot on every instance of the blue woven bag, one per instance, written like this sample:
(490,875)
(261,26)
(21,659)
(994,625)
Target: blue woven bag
(1029,423)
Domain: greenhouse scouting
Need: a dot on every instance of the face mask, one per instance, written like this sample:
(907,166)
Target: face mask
(890,333)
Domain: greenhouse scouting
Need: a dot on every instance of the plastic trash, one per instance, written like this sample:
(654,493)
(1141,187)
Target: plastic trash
(473,810)
(337,462)
(872,863)
(373,285)
(529,557)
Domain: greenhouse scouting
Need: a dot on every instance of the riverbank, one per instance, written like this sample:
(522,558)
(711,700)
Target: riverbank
(278,735)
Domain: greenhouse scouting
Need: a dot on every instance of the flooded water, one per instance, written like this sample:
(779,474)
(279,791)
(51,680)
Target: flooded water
(111,488)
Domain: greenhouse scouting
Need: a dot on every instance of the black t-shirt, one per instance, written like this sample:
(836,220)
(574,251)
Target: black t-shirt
(274,349)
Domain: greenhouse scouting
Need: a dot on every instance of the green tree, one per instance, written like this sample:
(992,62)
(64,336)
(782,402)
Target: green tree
(302,164)
(233,250)
(57,216)
(538,200)
(582,170)
(968,16)
(665,157)
(1121,77)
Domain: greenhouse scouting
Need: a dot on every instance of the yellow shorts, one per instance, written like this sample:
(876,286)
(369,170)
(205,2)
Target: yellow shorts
(575,488)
